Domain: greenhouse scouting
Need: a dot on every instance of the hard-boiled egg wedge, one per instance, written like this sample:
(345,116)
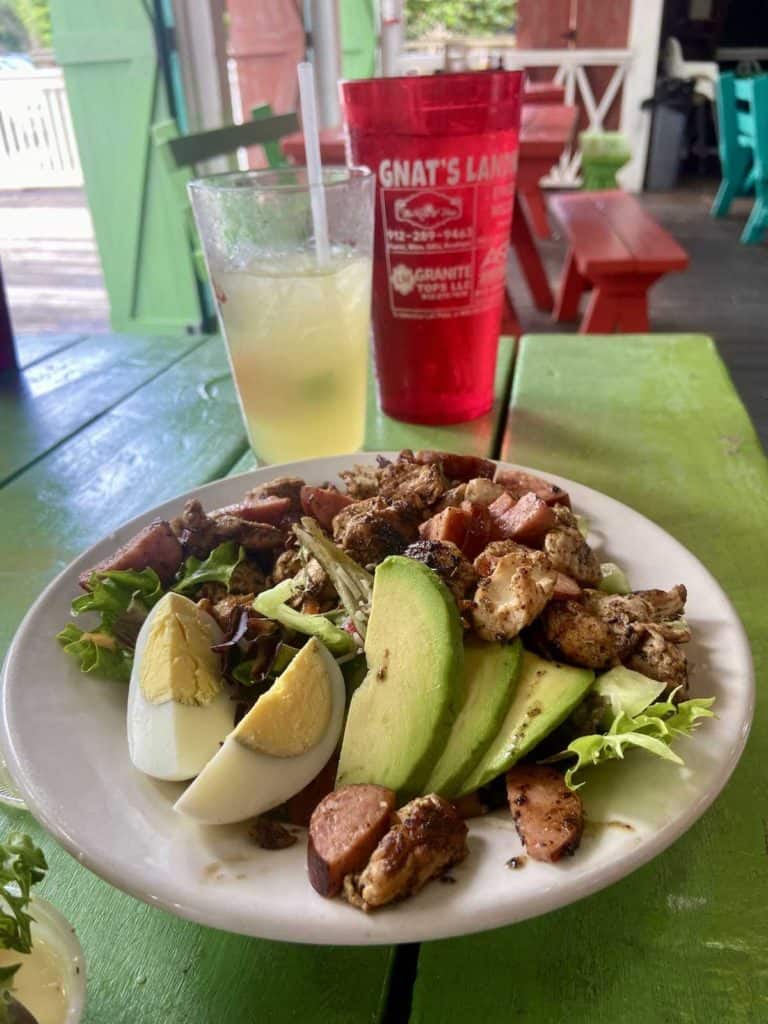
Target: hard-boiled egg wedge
(178,713)
(278,747)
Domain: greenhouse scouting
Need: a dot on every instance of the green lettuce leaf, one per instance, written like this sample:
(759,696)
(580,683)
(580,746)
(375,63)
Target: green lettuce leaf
(122,598)
(97,652)
(271,603)
(218,567)
(22,865)
(653,729)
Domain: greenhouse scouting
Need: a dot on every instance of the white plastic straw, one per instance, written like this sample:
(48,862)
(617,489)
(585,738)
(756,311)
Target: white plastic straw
(314,164)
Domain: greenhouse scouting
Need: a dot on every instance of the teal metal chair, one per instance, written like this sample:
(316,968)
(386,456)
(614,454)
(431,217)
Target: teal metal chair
(742,116)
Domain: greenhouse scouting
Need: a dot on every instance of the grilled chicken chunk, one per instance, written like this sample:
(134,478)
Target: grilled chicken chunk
(601,630)
(570,554)
(372,529)
(548,816)
(448,562)
(574,634)
(519,587)
(661,659)
(427,838)
(155,547)
(419,485)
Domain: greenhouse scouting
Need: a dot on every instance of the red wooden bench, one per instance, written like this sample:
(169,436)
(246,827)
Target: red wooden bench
(617,250)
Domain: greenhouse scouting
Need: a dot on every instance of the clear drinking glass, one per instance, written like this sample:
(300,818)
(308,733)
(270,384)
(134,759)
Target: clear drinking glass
(297,330)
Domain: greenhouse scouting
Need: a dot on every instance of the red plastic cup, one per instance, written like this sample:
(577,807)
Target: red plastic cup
(444,151)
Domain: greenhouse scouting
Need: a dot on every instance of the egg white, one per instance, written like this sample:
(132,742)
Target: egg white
(241,783)
(174,741)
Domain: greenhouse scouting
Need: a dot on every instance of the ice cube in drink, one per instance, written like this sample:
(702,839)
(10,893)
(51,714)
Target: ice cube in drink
(297,336)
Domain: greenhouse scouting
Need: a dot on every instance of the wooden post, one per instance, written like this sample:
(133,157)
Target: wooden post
(7,348)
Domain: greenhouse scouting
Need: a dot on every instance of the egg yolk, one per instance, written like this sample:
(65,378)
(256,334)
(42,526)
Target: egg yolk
(292,716)
(177,662)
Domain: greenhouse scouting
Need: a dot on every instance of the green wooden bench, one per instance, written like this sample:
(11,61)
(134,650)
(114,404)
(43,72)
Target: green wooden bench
(742,115)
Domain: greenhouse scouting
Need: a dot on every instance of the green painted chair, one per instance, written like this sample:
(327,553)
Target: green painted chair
(742,117)
(181,155)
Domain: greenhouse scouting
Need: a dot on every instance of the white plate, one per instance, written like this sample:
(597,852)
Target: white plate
(63,735)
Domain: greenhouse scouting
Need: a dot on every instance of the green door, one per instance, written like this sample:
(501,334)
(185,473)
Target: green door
(358,38)
(116,91)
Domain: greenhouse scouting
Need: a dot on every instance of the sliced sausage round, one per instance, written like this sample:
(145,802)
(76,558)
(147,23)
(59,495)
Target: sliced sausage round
(344,830)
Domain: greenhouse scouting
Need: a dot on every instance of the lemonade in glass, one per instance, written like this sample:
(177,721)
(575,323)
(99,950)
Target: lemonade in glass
(296,325)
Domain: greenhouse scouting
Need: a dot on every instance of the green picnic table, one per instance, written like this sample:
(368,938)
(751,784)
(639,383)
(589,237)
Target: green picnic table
(98,429)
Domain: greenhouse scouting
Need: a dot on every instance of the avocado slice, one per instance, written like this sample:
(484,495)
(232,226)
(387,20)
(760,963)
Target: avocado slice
(490,676)
(547,692)
(400,715)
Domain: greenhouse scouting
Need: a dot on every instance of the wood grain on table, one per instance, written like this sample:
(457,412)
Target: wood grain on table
(655,422)
(176,428)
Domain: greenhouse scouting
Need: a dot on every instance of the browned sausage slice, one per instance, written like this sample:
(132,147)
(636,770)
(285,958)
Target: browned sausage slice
(549,816)
(518,483)
(323,503)
(526,522)
(264,510)
(155,547)
(344,830)
(458,467)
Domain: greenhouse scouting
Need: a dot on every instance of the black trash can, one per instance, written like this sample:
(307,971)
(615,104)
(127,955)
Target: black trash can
(671,104)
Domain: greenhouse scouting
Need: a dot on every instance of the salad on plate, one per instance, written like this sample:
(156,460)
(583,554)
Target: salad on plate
(383,661)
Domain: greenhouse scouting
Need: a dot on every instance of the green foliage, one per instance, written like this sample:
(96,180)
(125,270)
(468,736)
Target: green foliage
(462,17)
(13,35)
(35,15)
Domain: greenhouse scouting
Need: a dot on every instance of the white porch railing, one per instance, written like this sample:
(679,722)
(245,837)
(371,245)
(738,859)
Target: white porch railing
(570,70)
(37,141)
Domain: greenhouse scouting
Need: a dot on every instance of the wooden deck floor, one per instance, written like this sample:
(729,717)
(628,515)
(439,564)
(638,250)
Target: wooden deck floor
(51,267)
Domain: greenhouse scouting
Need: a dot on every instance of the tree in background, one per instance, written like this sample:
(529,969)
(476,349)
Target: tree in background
(35,16)
(461,17)
(13,35)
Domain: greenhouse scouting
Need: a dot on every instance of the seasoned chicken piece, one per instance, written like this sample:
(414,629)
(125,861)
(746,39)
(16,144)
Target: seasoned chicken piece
(286,566)
(665,604)
(570,554)
(513,595)
(604,629)
(574,634)
(427,838)
(362,481)
(448,562)
(420,486)
(452,498)
(281,487)
(372,529)
(200,533)
(486,561)
(662,659)
(482,491)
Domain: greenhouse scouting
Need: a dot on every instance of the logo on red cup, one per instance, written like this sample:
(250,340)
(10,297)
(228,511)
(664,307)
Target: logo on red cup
(428,209)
